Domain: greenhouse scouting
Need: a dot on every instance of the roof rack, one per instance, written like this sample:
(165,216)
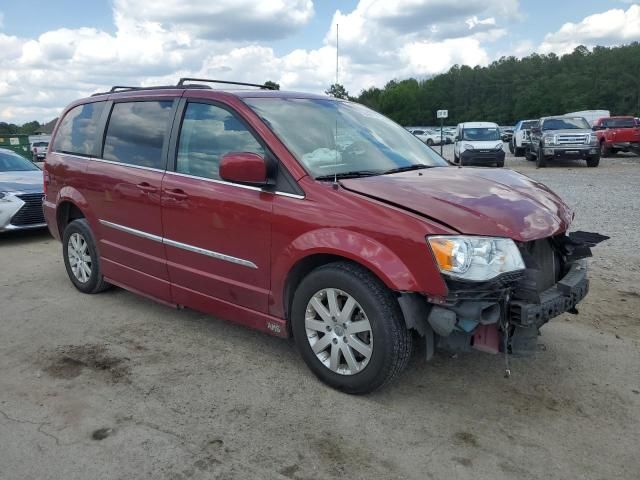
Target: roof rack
(182,81)
(122,88)
(181,84)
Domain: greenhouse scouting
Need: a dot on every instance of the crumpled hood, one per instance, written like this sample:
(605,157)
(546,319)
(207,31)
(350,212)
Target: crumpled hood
(26,182)
(475,201)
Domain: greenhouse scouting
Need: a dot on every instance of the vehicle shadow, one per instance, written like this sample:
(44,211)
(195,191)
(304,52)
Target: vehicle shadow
(24,236)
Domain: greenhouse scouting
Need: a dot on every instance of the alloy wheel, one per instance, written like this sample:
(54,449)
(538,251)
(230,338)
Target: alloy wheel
(79,257)
(338,331)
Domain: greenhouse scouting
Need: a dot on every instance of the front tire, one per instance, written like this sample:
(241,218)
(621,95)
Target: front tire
(429,142)
(541,162)
(593,162)
(604,150)
(349,329)
(81,258)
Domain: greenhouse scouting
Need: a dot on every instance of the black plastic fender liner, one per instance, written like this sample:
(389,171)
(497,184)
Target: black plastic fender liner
(415,310)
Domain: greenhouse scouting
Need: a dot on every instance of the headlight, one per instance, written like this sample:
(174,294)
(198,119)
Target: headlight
(467,146)
(592,139)
(475,258)
(550,140)
(498,147)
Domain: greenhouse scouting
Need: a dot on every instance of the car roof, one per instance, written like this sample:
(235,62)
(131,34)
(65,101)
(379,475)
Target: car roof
(478,124)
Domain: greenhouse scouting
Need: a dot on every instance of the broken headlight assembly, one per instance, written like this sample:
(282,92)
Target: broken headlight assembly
(475,258)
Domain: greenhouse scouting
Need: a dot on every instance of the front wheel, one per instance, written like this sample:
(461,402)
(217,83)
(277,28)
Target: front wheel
(604,150)
(512,149)
(541,162)
(349,328)
(593,162)
(81,258)
(429,142)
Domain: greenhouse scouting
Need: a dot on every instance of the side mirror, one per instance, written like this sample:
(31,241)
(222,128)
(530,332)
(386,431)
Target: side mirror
(244,167)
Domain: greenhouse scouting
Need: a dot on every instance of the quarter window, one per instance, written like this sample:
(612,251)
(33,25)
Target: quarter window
(137,132)
(78,132)
(208,133)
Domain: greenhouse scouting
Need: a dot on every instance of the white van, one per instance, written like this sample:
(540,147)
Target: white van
(478,143)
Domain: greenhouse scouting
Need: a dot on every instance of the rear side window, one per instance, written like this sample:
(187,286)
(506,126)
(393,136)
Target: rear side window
(137,132)
(78,132)
(208,133)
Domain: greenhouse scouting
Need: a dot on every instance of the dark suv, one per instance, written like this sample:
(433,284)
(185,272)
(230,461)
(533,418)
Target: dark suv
(306,216)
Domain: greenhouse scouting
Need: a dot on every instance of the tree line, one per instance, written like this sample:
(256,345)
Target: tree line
(511,89)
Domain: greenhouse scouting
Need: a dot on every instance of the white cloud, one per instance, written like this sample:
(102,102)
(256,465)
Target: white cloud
(157,43)
(612,27)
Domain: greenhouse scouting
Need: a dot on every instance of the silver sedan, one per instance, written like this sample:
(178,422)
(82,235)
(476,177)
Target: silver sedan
(21,192)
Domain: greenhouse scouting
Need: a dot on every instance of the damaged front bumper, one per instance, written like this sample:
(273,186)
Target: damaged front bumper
(507,312)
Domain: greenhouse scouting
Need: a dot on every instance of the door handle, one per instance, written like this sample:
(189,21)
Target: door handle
(177,193)
(145,187)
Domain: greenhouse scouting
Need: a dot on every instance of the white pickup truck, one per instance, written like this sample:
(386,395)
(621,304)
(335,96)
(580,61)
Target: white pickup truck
(521,137)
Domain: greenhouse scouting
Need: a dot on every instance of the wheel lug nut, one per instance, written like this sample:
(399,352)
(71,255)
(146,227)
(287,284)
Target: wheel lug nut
(344,339)
(328,328)
(335,340)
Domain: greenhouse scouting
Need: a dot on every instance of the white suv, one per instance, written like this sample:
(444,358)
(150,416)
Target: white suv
(427,136)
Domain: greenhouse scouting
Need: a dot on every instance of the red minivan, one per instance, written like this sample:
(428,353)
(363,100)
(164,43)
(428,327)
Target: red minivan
(307,216)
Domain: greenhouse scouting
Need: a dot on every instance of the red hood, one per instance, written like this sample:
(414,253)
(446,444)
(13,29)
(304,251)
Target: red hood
(476,201)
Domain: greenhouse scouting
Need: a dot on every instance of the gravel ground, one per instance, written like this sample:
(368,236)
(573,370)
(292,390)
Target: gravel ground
(116,386)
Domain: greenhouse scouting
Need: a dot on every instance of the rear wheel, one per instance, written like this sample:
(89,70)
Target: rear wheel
(81,258)
(349,328)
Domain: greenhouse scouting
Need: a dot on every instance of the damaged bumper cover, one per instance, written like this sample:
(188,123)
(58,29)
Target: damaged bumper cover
(562,297)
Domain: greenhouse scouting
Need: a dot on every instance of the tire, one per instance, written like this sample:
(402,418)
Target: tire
(529,156)
(456,159)
(604,150)
(79,245)
(519,152)
(429,142)
(500,164)
(593,162)
(541,162)
(512,148)
(390,342)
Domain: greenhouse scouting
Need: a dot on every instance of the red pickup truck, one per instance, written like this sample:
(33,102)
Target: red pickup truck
(617,134)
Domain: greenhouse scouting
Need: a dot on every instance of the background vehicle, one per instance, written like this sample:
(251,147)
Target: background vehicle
(563,137)
(506,133)
(21,193)
(39,150)
(589,115)
(221,202)
(617,134)
(521,137)
(478,143)
(427,136)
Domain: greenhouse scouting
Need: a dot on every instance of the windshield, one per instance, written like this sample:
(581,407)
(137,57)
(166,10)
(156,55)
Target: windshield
(12,162)
(620,123)
(41,144)
(528,124)
(365,142)
(481,134)
(565,123)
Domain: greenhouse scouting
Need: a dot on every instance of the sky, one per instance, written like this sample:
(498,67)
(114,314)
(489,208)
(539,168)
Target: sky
(54,52)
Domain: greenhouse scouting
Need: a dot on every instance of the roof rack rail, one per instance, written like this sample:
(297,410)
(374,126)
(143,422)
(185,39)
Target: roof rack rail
(123,88)
(182,81)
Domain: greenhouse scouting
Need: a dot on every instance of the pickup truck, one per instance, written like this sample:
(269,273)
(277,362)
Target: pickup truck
(521,140)
(563,137)
(617,134)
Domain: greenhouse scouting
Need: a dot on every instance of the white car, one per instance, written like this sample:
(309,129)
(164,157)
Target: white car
(427,136)
(478,143)
(521,137)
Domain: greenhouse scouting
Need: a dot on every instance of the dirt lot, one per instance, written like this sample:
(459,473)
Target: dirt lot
(116,386)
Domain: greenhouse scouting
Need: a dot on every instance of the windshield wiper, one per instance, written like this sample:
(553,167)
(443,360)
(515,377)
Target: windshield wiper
(406,169)
(351,174)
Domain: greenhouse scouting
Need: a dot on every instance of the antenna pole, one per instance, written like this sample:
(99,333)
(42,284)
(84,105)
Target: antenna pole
(335,167)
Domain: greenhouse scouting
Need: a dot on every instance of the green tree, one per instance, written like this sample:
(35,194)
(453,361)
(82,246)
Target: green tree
(272,85)
(338,91)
